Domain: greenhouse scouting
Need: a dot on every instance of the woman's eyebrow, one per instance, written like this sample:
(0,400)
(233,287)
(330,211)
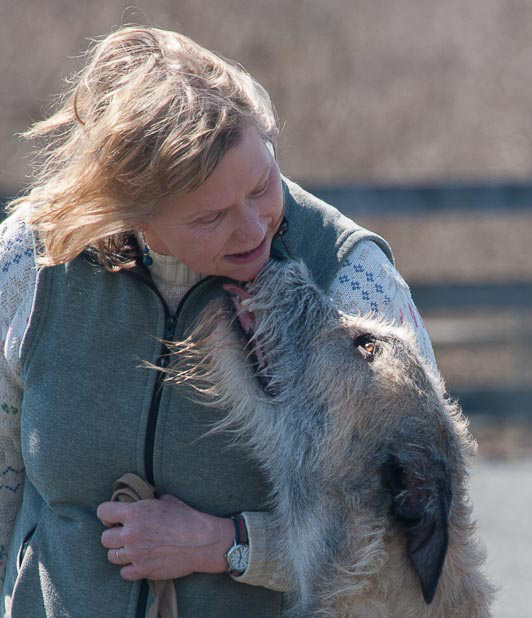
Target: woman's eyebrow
(263,179)
(258,185)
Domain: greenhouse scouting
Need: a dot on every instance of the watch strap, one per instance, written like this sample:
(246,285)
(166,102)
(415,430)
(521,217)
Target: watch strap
(241,538)
(241,531)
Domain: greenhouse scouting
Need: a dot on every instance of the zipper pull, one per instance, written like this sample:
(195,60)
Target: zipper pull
(169,328)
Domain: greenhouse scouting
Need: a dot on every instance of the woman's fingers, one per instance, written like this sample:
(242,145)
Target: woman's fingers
(163,538)
(118,555)
(113,537)
(131,573)
(128,571)
(112,513)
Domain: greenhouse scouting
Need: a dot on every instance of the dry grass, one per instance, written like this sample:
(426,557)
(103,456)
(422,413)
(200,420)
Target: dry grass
(375,90)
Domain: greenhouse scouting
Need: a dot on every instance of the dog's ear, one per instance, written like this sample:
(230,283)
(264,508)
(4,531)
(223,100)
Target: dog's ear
(420,501)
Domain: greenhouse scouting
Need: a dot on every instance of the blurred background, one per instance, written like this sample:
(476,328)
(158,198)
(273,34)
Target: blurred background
(414,118)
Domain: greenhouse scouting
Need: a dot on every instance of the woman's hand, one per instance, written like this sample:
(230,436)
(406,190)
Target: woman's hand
(164,538)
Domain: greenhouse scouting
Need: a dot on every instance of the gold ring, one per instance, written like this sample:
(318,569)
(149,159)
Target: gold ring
(118,555)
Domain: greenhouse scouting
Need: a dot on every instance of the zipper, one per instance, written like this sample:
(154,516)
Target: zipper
(162,361)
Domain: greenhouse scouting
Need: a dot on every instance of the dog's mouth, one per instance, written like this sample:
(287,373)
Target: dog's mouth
(241,299)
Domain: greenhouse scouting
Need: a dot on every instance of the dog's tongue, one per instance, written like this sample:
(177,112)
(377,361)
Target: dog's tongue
(246,318)
(236,290)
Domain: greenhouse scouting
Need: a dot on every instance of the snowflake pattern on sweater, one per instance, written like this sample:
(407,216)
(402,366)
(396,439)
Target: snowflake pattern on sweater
(17,282)
(366,282)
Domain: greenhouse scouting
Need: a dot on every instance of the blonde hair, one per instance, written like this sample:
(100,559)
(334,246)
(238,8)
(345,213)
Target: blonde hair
(150,116)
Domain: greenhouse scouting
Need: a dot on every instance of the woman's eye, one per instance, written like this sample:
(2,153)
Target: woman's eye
(261,191)
(209,219)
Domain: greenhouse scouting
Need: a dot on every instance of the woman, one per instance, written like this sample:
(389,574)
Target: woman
(159,182)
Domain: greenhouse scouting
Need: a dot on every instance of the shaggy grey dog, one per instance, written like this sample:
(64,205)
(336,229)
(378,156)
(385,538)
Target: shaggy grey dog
(365,453)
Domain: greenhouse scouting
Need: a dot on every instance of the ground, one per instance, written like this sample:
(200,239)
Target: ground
(501,493)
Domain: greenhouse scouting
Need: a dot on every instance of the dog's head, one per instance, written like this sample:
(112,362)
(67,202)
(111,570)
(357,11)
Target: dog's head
(387,430)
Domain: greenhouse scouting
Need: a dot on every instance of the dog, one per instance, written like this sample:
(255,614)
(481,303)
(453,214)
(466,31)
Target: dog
(365,452)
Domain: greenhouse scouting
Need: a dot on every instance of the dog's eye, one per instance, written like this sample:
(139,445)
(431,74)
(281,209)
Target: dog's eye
(367,346)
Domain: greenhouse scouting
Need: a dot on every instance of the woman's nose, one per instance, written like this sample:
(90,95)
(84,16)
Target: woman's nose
(252,225)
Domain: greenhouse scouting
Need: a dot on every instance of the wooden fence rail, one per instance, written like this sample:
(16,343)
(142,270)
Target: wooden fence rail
(417,199)
(467,296)
(402,199)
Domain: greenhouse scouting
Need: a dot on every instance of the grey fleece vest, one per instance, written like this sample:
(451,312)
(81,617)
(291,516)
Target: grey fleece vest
(91,412)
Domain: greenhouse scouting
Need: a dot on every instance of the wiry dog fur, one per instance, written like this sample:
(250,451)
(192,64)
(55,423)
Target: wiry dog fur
(365,453)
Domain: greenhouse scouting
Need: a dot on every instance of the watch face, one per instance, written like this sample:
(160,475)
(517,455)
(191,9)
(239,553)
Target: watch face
(238,557)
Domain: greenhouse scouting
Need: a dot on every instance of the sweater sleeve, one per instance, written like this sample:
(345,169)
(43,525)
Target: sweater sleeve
(263,568)
(366,282)
(17,283)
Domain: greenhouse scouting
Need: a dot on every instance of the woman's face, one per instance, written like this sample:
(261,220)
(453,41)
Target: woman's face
(225,226)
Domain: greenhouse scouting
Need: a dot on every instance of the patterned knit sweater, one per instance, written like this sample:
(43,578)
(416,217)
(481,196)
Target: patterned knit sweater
(366,282)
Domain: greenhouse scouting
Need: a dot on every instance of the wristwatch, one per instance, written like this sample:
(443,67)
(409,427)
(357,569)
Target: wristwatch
(237,555)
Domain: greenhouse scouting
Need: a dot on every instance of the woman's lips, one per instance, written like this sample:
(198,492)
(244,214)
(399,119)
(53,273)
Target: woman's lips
(249,256)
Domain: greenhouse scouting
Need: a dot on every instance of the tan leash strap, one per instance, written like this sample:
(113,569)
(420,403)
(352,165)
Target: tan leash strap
(130,488)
